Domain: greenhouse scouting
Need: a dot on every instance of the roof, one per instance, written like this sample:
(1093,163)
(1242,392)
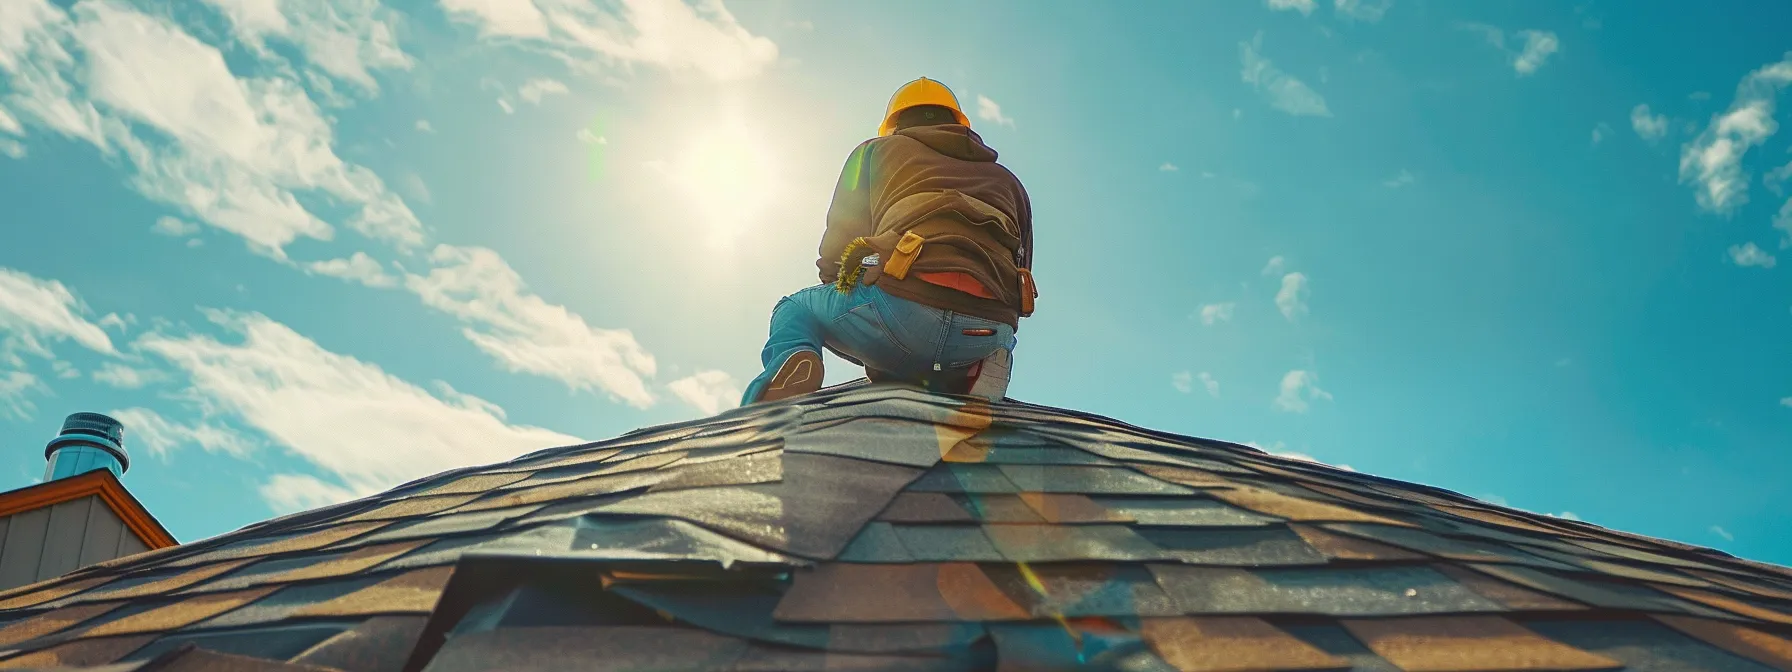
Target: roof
(871,527)
(100,483)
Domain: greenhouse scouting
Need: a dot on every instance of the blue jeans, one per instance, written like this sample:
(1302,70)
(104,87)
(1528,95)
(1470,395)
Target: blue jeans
(904,340)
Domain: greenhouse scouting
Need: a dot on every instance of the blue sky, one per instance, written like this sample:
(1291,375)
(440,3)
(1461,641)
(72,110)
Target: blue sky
(1525,251)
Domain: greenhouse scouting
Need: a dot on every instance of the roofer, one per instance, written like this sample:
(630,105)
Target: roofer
(924,264)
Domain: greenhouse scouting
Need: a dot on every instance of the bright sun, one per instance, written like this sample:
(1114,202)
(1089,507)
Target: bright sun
(729,178)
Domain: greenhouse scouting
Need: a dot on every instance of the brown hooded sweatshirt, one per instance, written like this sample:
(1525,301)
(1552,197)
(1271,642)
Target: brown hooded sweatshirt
(944,182)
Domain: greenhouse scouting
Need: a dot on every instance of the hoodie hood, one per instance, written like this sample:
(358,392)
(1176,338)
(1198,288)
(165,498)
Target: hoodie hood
(958,142)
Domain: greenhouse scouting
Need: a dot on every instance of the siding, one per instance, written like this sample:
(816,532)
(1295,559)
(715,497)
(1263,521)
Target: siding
(50,542)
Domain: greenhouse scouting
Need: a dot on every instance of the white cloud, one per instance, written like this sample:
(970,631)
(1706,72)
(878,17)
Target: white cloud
(586,136)
(1274,266)
(673,34)
(233,153)
(414,188)
(1565,515)
(1168,167)
(424,126)
(1213,386)
(506,106)
(1538,45)
(125,377)
(1363,10)
(64,370)
(346,39)
(989,111)
(1284,92)
(1601,130)
(527,334)
(1213,313)
(10,124)
(1720,531)
(13,148)
(15,386)
(1748,254)
(1650,127)
(362,427)
(536,89)
(1298,388)
(1713,160)
(358,267)
(500,18)
(708,391)
(174,226)
(1786,401)
(1537,48)
(160,436)
(1292,298)
(292,493)
(34,310)
(1305,7)
(1397,181)
(1183,381)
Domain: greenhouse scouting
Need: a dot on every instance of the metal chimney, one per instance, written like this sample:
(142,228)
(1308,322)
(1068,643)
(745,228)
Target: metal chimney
(88,441)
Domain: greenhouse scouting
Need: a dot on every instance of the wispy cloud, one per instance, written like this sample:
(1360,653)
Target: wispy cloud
(356,268)
(708,391)
(16,388)
(1600,131)
(1212,385)
(1283,91)
(671,34)
(1720,531)
(1713,160)
(124,377)
(1748,254)
(1168,167)
(346,39)
(35,311)
(161,436)
(1292,298)
(527,334)
(1214,313)
(1369,11)
(1535,49)
(233,153)
(423,126)
(1274,266)
(175,227)
(1786,401)
(1565,515)
(1298,388)
(362,427)
(1650,127)
(1305,7)
(1403,179)
(1184,382)
(534,90)
(989,111)
(1538,45)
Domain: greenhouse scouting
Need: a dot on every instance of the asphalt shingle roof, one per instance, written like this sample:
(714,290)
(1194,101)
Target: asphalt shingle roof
(881,528)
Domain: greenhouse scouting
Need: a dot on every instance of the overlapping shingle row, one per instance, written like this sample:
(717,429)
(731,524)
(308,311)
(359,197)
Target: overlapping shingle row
(874,528)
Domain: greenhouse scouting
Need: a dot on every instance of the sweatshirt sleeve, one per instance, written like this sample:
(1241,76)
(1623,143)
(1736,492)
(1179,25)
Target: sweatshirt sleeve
(849,215)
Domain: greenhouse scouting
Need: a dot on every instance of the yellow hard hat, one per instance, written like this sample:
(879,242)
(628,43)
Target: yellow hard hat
(922,91)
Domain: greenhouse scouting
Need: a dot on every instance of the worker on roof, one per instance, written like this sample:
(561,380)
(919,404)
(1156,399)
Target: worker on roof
(925,264)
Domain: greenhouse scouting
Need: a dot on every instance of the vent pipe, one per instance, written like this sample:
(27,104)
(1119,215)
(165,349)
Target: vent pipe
(88,441)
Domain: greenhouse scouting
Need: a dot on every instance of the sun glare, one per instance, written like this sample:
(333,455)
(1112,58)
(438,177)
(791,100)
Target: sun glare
(729,178)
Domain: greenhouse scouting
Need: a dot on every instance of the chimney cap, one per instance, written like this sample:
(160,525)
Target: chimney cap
(91,429)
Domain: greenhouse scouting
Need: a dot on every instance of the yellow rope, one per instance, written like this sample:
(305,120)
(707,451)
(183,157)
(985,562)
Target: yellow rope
(852,267)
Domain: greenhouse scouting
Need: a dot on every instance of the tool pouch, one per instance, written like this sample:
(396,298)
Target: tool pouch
(1028,292)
